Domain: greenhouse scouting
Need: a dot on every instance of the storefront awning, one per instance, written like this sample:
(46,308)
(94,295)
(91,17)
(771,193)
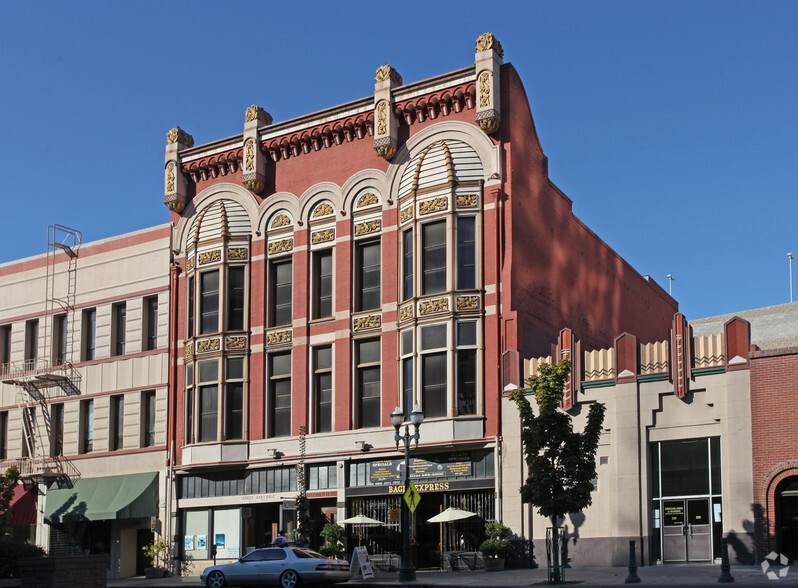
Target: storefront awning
(23,506)
(98,499)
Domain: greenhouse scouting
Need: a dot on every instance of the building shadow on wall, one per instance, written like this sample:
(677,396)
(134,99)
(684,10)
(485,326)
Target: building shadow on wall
(743,545)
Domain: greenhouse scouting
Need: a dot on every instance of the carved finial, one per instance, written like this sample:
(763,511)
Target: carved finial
(255,112)
(489,41)
(178,135)
(386,72)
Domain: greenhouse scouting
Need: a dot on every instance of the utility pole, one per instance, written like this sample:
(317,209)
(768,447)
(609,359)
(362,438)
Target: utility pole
(791,257)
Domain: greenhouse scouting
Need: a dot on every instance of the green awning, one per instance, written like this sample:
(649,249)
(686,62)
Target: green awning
(132,496)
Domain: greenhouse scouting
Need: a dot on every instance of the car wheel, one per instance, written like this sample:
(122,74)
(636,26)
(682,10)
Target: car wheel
(289,579)
(216,579)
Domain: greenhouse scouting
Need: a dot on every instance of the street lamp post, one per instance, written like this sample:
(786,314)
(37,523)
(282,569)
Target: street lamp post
(407,573)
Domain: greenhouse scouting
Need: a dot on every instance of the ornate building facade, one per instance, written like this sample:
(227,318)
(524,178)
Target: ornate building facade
(399,250)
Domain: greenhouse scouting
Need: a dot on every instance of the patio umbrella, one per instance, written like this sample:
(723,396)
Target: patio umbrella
(360,520)
(450,515)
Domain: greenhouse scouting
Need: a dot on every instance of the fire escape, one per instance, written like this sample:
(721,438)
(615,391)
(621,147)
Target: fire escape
(41,380)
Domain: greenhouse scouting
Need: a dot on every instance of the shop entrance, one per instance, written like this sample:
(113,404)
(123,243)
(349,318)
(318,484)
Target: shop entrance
(686,506)
(686,530)
(787,517)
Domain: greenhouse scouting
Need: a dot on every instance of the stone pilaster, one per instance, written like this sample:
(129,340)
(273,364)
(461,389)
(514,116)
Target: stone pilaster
(175,196)
(488,62)
(386,124)
(254,164)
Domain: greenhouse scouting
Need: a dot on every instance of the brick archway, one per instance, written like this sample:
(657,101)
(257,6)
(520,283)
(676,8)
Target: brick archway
(765,520)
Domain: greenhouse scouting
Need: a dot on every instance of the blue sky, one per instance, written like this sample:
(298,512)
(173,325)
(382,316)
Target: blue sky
(672,126)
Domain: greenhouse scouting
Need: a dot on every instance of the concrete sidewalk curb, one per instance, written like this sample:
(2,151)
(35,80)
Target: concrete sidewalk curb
(670,575)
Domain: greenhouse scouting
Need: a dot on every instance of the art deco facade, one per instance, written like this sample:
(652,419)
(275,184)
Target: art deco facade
(399,250)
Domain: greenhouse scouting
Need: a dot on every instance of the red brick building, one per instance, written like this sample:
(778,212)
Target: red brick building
(385,252)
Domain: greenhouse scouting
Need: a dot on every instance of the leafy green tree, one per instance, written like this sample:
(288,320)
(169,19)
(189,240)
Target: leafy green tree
(8,482)
(561,462)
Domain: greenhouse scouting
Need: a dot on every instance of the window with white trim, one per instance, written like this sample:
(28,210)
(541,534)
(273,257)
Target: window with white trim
(279,394)
(367,383)
(322,389)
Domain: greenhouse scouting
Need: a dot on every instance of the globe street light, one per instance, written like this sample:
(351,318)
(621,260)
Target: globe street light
(407,573)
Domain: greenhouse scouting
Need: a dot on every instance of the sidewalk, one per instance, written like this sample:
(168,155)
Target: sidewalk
(670,575)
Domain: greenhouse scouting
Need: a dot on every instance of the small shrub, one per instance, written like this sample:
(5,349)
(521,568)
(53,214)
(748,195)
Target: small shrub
(498,542)
(333,535)
(11,552)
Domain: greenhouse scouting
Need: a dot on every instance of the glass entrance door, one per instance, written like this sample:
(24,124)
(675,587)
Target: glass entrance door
(674,547)
(686,530)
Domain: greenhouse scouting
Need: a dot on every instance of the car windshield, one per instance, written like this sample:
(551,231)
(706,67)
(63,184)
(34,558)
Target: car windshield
(307,554)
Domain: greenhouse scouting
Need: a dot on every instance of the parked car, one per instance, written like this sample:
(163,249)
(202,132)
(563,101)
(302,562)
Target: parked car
(284,566)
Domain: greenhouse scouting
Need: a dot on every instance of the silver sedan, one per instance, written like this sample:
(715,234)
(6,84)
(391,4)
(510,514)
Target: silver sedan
(285,566)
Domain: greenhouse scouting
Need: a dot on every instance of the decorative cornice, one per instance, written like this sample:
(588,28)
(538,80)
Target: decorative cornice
(280,246)
(367,227)
(386,73)
(322,236)
(488,41)
(431,306)
(323,209)
(235,342)
(466,201)
(208,345)
(434,205)
(362,323)
(279,337)
(178,135)
(367,199)
(256,112)
(467,303)
(281,220)
(209,257)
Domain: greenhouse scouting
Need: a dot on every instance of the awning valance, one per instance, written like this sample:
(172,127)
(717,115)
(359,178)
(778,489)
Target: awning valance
(132,496)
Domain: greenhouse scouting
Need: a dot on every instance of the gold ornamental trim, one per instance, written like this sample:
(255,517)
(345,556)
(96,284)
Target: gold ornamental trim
(467,303)
(209,256)
(249,158)
(488,41)
(406,214)
(189,352)
(434,205)
(362,323)
(406,312)
(322,236)
(280,246)
(237,253)
(368,227)
(466,201)
(235,342)
(323,209)
(281,220)
(208,345)
(251,113)
(382,118)
(431,306)
(178,135)
(278,337)
(367,199)
(386,72)
(190,264)
(484,89)
(170,177)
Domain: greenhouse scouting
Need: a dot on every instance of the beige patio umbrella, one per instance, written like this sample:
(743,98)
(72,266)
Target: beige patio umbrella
(360,520)
(450,515)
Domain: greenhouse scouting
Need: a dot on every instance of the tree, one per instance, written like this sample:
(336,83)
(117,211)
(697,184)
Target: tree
(561,462)
(8,482)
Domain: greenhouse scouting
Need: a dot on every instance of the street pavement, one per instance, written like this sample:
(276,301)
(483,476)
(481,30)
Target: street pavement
(662,575)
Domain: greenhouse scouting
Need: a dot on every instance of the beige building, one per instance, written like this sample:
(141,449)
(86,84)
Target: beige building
(83,393)
(675,456)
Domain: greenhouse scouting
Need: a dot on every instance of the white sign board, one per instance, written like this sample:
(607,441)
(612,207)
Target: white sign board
(361,556)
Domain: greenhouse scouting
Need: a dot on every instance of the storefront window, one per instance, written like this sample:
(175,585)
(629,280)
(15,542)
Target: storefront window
(227,532)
